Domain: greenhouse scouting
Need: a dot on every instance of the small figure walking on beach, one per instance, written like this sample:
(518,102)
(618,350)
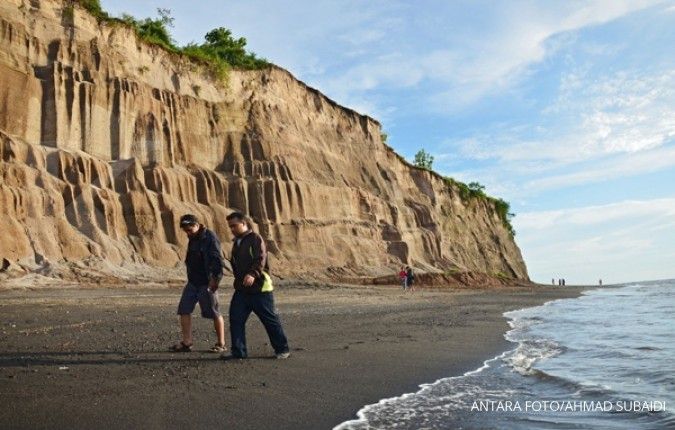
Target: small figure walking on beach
(204,263)
(403,278)
(410,279)
(600,282)
(253,289)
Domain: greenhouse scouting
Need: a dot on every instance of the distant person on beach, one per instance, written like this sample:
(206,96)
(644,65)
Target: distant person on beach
(563,282)
(600,282)
(552,281)
(410,278)
(403,278)
(253,289)
(204,262)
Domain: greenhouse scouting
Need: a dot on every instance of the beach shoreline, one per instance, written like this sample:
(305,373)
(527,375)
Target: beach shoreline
(79,358)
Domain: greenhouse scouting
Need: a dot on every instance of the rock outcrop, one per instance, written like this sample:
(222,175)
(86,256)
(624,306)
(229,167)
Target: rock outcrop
(105,141)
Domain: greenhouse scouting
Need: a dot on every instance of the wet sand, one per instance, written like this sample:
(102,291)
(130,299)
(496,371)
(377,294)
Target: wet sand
(97,357)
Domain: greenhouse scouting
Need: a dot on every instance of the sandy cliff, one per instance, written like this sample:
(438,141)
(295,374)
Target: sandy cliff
(105,141)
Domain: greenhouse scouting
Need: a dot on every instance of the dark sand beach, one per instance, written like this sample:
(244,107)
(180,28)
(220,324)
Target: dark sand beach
(81,358)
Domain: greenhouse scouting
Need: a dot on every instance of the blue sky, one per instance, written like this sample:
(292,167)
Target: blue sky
(566,109)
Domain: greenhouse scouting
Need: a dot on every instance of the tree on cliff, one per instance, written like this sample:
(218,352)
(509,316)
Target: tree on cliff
(477,189)
(157,31)
(423,159)
(219,44)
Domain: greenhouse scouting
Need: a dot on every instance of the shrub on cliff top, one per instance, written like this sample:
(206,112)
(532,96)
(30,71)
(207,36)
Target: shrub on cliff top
(219,52)
(476,189)
(424,160)
(220,43)
(93,7)
(223,51)
(154,31)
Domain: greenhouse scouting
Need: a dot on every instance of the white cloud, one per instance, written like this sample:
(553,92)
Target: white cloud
(617,167)
(392,70)
(365,36)
(592,215)
(600,115)
(380,45)
(527,35)
(630,240)
(599,128)
(624,112)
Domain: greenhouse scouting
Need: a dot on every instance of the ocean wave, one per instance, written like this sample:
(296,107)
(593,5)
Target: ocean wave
(601,346)
(399,410)
(528,353)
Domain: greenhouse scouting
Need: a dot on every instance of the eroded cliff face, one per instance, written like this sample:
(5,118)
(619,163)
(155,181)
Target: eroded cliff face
(105,141)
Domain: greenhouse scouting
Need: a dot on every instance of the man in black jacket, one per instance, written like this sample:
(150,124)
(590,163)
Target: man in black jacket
(253,289)
(204,262)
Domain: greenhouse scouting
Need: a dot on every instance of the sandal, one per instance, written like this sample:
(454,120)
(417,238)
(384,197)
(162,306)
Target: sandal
(181,347)
(218,348)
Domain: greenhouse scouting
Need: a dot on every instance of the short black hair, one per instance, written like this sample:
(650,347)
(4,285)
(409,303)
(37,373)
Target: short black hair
(236,215)
(188,219)
(242,217)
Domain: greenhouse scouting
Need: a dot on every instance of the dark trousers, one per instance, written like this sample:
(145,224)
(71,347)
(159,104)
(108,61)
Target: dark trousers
(261,304)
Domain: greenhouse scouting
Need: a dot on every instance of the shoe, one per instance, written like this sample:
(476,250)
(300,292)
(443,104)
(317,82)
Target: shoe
(218,348)
(283,355)
(228,357)
(181,347)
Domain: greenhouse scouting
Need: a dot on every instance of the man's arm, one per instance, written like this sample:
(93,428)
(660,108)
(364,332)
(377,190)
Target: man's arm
(259,256)
(214,259)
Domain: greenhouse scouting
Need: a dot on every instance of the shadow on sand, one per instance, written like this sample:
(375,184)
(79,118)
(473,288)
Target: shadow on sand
(74,358)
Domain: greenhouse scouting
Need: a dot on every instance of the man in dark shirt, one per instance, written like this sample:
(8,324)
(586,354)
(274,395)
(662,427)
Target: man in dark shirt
(253,289)
(204,262)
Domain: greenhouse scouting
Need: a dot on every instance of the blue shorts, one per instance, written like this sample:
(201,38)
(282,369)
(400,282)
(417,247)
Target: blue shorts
(208,301)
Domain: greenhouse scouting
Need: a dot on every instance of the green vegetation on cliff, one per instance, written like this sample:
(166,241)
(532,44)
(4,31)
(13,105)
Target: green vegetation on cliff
(220,51)
(424,160)
(467,192)
(475,190)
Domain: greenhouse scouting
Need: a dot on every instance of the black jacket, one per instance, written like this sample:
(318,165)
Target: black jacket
(249,257)
(204,258)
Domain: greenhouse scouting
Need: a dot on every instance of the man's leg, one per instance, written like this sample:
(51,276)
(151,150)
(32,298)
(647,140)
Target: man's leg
(239,312)
(219,325)
(186,306)
(186,328)
(264,308)
(208,302)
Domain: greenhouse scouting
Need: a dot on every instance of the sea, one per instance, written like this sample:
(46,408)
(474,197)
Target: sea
(604,360)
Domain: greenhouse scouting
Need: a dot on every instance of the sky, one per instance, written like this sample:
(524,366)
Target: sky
(566,109)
